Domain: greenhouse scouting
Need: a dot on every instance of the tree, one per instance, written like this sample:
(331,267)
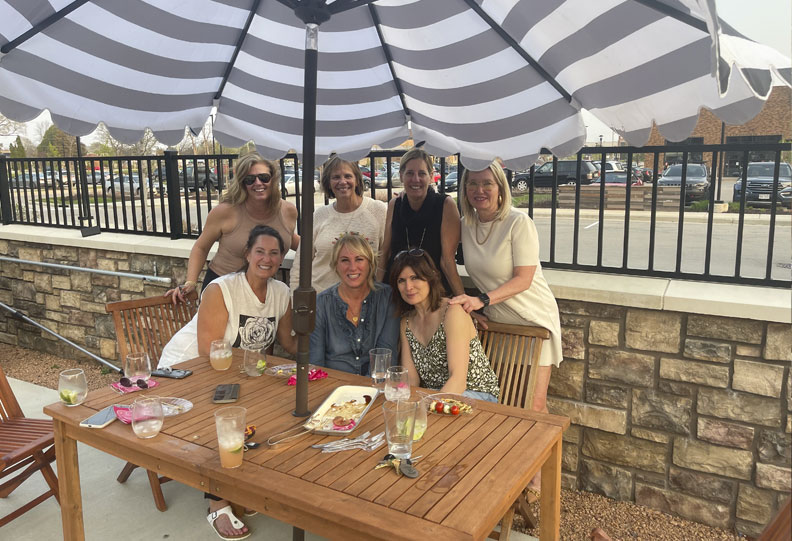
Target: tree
(17,149)
(56,143)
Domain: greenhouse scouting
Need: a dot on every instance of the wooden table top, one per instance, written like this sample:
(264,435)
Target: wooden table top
(472,468)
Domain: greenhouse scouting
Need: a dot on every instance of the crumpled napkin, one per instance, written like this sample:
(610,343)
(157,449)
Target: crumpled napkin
(313,375)
(117,387)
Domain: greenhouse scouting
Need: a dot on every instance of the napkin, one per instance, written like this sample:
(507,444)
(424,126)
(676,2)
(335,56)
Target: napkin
(126,390)
(313,375)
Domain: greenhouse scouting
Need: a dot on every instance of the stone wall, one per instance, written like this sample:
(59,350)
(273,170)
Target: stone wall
(690,414)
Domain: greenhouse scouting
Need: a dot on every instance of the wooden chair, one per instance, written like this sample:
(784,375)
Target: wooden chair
(512,350)
(780,528)
(146,325)
(24,443)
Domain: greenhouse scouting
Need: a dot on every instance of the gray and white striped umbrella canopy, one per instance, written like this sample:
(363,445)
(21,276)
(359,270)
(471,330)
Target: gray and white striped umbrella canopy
(484,78)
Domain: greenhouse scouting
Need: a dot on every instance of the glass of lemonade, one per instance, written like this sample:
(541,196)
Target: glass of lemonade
(399,426)
(397,384)
(220,355)
(137,367)
(230,424)
(147,416)
(255,362)
(379,362)
(72,387)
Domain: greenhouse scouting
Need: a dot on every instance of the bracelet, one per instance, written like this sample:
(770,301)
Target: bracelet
(190,283)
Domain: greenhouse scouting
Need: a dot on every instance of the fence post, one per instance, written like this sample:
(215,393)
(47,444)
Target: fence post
(174,202)
(5,192)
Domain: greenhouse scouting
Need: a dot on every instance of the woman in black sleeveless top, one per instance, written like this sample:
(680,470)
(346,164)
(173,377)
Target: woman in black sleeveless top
(422,218)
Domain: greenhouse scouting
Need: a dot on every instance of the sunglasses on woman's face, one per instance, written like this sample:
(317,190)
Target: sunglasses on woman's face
(126,382)
(251,179)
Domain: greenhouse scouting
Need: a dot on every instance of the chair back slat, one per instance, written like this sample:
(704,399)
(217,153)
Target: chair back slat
(512,349)
(9,407)
(146,325)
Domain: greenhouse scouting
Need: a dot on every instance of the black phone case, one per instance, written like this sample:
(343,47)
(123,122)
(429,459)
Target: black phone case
(225,393)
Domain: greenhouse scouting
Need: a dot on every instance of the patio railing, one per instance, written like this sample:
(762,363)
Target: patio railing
(617,226)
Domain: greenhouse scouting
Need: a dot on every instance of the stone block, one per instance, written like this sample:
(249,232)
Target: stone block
(567,380)
(700,484)
(723,433)
(707,350)
(607,419)
(105,264)
(568,481)
(689,507)
(699,456)
(573,321)
(4,247)
(743,407)
(607,395)
(778,346)
(747,351)
(65,254)
(61,282)
(659,410)
(650,435)
(52,302)
(655,479)
(123,266)
(652,330)
(624,451)
(104,325)
(102,280)
(30,254)
(88,258)
(725,328)
(28,276)
(610,481)
(81,281)
(93,307)
(131,284)
(789,424)
(573,435)
(749,529)
(74,333)
(604,333)
(43,282)
(623,366)
(107,349)
(606,311)
(694,372)
(773,477)
(757,377)
(23,290)
(57,315)
(572,344)
(70,298)
(569,457)
(755,505)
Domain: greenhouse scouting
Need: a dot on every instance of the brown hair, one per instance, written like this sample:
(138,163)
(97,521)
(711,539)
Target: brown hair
(423,267)
(255,233)
(330,167)
(236,194)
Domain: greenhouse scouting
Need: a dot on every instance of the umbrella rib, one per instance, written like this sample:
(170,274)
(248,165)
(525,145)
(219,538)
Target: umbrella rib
(55,17)
(516,46)
(388,57)
(686,18)
(343,5)
(240,41)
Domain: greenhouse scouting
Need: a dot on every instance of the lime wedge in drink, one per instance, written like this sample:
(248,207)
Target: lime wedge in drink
(261,366)
(68,397)
(237,450)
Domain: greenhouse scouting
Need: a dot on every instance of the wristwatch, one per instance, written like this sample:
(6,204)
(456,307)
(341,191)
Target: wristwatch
(484,298)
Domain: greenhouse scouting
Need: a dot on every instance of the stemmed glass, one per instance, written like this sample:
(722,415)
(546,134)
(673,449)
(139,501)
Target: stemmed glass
(72,387)
(397,384)
(220,355)
(137,367)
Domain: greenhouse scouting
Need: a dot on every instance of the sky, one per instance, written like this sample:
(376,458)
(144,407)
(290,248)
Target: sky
(764,21)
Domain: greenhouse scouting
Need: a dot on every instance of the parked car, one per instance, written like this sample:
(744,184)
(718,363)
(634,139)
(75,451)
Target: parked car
(785,197)
(543,175)
(288,187)
(451,183)
(760,182)
(187,178)
(614,166)
(616,178)
(121,184)
(23,180)
(696,182)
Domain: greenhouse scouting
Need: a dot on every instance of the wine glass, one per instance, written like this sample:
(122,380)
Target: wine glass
(137,367)
(72,387)
(220,355)
(255,362)
(147,416)
(397,384)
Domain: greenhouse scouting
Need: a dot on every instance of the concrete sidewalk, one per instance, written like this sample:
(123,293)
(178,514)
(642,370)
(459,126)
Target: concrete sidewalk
(120,511)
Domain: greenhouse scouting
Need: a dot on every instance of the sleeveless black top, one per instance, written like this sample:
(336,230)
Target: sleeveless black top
(423,229)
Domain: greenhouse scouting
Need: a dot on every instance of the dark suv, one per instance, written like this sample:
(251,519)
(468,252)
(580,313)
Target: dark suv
(696,183)
(187,178)
(760,182)
(567,170)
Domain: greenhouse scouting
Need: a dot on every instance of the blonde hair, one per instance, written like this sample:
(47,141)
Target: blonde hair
(236,194)
(416,153)
(504,194)
(359,245)
(331,166)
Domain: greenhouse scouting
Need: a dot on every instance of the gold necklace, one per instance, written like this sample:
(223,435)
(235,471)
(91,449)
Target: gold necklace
(492,226)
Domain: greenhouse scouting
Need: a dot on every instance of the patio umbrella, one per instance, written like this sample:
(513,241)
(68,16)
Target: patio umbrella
(482,78)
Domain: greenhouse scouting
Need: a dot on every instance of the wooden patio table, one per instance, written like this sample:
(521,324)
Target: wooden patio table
(473,466)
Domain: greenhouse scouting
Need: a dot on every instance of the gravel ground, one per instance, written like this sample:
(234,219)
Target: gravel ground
(581,512)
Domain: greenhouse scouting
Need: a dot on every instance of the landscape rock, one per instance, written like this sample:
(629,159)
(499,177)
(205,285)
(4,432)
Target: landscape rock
(653,330)
(658,410)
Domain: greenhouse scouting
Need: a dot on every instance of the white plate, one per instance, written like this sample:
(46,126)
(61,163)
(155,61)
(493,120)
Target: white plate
(174,406)
(446,396)
(344,393)
(284,370)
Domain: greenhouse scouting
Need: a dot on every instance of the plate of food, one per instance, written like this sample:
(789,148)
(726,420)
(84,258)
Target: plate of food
(174,406)
(343,410)
(450,404)
(285,370)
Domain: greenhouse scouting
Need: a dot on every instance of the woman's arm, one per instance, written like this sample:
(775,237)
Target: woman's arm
(450,232)
(285,338)
(405,355)
(458,328)
(385,247)
(212,318)
(289,215)
(519,282)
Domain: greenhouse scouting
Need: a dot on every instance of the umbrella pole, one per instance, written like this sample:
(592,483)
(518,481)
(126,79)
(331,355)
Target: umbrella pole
(304,317)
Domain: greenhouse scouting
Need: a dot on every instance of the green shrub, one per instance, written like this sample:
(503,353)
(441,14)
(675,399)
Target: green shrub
(699,206)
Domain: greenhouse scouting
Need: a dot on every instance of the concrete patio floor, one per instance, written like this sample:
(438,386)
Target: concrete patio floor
(120,511)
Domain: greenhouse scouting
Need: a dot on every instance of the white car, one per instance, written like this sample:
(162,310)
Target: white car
(288,187)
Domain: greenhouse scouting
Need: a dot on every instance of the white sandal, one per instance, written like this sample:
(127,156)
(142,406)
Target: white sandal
(235,522)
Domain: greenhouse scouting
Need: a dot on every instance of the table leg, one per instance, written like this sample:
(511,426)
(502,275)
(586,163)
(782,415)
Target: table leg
(550,517)
(69,480)
(298,534)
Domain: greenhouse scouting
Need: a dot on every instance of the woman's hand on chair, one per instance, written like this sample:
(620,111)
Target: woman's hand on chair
(178,293)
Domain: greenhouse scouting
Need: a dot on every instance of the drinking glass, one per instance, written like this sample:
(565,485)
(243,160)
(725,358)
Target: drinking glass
(220,355)
(379,362)
(230,424)
(421,418)
(72,387)
(399,426)
(255,362)
(137,367)
(397,384)
(147,416)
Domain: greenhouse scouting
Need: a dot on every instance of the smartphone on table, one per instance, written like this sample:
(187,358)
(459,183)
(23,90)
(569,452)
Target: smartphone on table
(226,393)
(100,419)
(175,373)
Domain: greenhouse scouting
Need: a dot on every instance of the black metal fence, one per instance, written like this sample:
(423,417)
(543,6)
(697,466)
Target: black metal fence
(635,221)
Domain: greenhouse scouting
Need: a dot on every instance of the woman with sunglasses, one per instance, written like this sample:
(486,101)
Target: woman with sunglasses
(423,218)
(354,315)
(253,198)
(439,344)
(351,212)
(502,258)
(249,309)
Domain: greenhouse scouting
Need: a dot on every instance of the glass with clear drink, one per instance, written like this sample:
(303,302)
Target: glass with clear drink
(230,424)
(72,387)
(147,416)
(255,362)
(379,362)
(397,384)
(400,426)
(220,355)
(137,367)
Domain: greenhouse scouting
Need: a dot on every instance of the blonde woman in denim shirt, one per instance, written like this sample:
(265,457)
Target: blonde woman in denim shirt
(356,314)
